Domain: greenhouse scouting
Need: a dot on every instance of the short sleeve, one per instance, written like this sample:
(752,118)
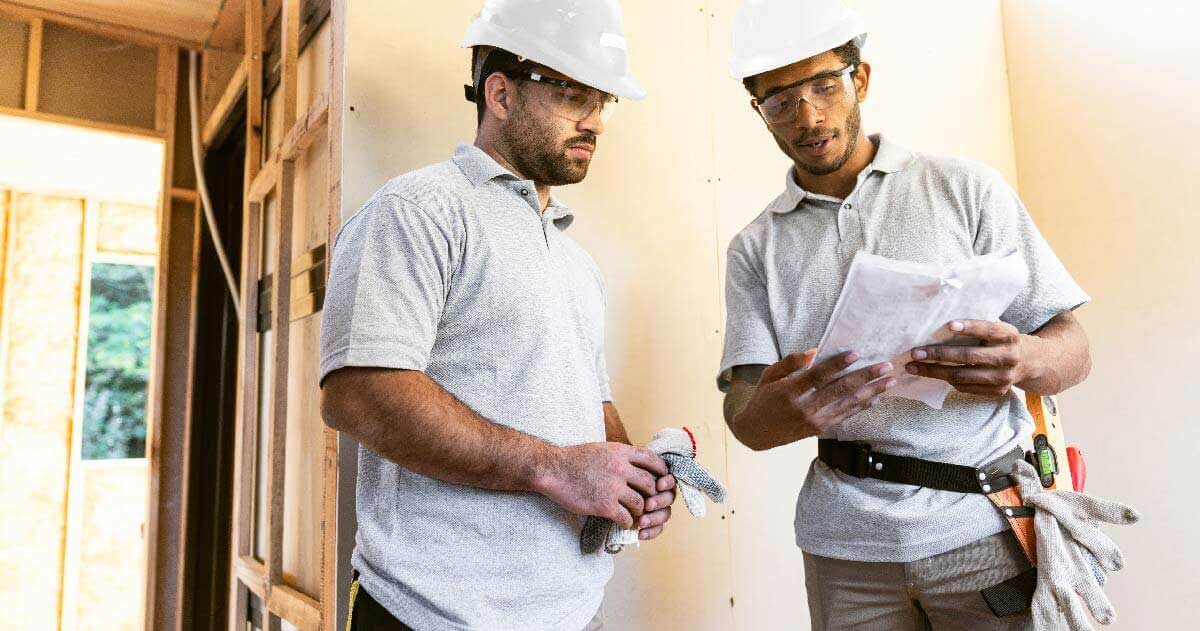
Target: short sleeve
(749,334)
(1005,224)
(390,274)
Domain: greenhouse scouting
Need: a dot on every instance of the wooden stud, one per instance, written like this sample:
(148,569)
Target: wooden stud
(185,194)
(164,92)
(233,91)
(294,606)
(305,131)
(251,573)
(254,88)
(263,183)
(124,130)
(246,427)
(69,597)
(281,290)
(290,61)
(156,386)
(33,67)
(330,506)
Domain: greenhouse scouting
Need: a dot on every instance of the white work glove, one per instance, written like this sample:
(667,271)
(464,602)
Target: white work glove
(1072,554)
(693,481)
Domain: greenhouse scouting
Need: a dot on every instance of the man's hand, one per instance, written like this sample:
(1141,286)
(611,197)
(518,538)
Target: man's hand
(657,509)
(793,401)
(990,370)
(610,480)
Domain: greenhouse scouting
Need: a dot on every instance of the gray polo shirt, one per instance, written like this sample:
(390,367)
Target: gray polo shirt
(454,270)
(785,271)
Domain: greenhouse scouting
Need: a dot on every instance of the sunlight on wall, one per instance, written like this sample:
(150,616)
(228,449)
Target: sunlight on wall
(68,161)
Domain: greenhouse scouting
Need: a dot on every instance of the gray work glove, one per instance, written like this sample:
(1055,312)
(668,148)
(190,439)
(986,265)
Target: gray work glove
(1073,555)
(693,481)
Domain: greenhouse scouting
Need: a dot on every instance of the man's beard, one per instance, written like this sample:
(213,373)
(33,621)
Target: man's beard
(533,150)
(853,125)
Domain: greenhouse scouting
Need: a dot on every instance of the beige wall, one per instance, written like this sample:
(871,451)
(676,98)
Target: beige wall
(1108,148)
(675,177)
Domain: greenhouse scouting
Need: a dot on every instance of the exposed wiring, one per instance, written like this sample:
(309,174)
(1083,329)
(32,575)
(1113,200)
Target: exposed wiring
(202,187)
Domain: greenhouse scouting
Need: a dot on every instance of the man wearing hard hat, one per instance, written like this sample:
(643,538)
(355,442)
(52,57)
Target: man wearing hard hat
(463,347)
(897,529)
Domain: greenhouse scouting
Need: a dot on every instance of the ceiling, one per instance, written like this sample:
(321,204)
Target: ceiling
(198,23)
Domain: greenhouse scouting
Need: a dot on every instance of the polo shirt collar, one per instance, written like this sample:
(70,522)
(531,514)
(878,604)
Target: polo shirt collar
(890,157)
(479,167)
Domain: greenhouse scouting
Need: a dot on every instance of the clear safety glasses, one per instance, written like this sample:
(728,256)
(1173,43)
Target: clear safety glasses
(821,91)
(567,99)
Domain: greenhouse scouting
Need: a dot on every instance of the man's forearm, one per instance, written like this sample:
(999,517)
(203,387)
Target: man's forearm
(614,429)
(409,419)
(1059,357)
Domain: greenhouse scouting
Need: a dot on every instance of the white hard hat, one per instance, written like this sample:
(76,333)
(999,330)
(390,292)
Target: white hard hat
(583,39)
(770,34)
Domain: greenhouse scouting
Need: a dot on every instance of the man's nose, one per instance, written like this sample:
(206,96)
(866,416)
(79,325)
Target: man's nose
(809,116)
(592,122)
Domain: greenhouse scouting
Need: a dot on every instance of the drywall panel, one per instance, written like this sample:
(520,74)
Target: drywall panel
(1107,150)
(40,326)
(95,78)
(14,52)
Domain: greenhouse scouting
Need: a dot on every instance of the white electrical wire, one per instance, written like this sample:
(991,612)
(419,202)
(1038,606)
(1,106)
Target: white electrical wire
(202,187)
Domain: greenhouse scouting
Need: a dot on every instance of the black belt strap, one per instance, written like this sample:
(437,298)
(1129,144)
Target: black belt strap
(1011,596)
(858,460)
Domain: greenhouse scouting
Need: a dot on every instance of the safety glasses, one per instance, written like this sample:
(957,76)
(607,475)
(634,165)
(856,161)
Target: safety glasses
(567,99)
(782,105)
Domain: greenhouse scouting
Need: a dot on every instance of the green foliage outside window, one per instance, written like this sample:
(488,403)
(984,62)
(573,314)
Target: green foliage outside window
(118,357)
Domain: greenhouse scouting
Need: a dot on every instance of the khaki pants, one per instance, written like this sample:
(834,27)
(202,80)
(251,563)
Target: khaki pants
(939,593)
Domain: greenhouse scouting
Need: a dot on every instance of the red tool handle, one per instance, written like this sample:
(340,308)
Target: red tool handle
(1078,467)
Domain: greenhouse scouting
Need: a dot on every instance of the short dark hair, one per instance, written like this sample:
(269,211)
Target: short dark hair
(849,53)
(497,60)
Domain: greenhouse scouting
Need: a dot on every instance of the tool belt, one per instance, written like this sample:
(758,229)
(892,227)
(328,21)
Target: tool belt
(993,479)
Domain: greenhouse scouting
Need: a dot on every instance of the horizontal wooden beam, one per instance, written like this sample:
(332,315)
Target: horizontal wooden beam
(251,572)
(125,130)
(306,129)
(296,607)
(233,91)
(264,182)
(14,9)
(185,194)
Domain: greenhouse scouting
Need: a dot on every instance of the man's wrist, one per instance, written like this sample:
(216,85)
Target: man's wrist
(543,469)
(1032,367)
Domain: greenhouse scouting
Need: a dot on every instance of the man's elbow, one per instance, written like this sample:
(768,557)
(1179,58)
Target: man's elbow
(334,403)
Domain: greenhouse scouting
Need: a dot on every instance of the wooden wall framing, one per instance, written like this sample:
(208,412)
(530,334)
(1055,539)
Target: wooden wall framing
(272,175)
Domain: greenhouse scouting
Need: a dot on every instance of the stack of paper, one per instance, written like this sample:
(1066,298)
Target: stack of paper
(888,307)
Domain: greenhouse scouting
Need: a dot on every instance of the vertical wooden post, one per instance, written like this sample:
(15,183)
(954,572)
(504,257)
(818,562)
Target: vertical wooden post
(160,601)
(331,577)
(33,66)
(281,297)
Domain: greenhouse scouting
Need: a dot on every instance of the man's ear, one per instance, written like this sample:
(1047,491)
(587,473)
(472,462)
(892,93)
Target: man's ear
(862,81)
(497,90)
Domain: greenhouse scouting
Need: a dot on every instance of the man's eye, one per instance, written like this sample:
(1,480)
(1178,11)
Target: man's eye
(571,95)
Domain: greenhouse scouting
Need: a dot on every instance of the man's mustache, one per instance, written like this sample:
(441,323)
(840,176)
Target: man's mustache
(583,139)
